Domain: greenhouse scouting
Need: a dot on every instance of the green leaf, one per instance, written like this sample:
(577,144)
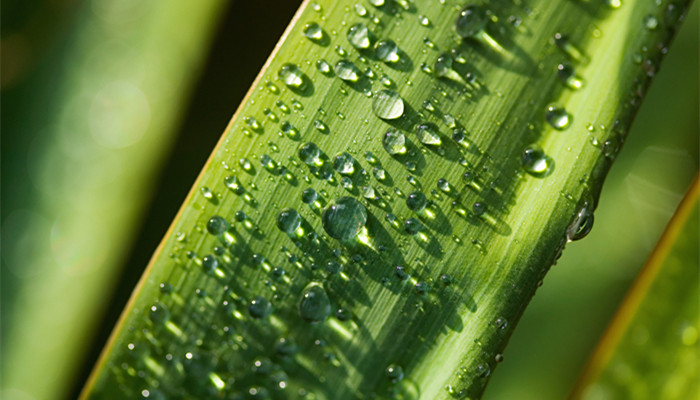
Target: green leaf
(650,349)
(87,121)
(538,100)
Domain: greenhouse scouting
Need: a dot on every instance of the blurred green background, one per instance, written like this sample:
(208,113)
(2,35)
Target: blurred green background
(91,181)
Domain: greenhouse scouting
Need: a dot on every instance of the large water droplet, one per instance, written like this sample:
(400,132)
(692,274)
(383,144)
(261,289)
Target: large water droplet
(394,142)
(535,162)
(558,117)
(359,36)
(387,51)
(288,220)
(314,305)
(291,75)
(428,134)
(344,218)
(347,71)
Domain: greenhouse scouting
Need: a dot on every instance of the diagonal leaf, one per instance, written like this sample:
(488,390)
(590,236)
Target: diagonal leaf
(650,349)
(508,133)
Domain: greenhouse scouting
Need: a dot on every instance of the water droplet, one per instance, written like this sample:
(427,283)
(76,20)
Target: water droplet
(217,225)
(651,22)
(416,201)
(292,76)
(209,263)
(344,164)
(288,220)
(309,153)
(479,208)
(535,162)
(446,279)
(413,226)
(207,193)
(347,71)
(323,67)
(368,192)
(370,157)
(245,164)
(309,195)
(483,370)
(321,126)
(359,36)
(259,307)
(428,134)
(394,142)
(443,69)
(377,3)
(360,10)
(558,117)
(423,20)
(422,288)
(379,173)
(498,358)
(562,41)
(159,314)
(444,185)
(313,31)
(333,267)
(581,225)
(344,218)
(387,51)
(314,305)
(343,314)
(394,372)
(346,183)
(501,323)
(613,3)
(567,75)
(267,162)
(387,104)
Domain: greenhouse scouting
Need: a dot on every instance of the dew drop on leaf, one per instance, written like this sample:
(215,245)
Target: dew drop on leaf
(314,305)
(387,104)
(343,218)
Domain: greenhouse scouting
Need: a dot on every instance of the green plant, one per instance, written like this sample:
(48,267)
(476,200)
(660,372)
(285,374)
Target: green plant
(453,316)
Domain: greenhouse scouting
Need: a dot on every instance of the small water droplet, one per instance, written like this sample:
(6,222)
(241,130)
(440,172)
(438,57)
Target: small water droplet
(259,307)
(535,162)
(313,31)
(359,36)
(207,193)
(377,3)
(394,372)
(567,75)
(323,67)
(428,134)
(413,226)
(387,51)
(483,370)
(613,3)
(217,225)
(309,196)
(288,220)
(562,41)
(343,218)
(394,142)
(159,314)
(558,117)
(387,104)
(314,305)
(443,69)
(347,71)
(360,10)
(379,173)
(344,164)
(292,76)
(651,22)
(309,153)
(423,20)
(368,192)
(245,164)
(581,225)
(209,263)
(416,201)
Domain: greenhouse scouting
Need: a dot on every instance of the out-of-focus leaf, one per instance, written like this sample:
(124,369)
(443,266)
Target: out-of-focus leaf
(650,350)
